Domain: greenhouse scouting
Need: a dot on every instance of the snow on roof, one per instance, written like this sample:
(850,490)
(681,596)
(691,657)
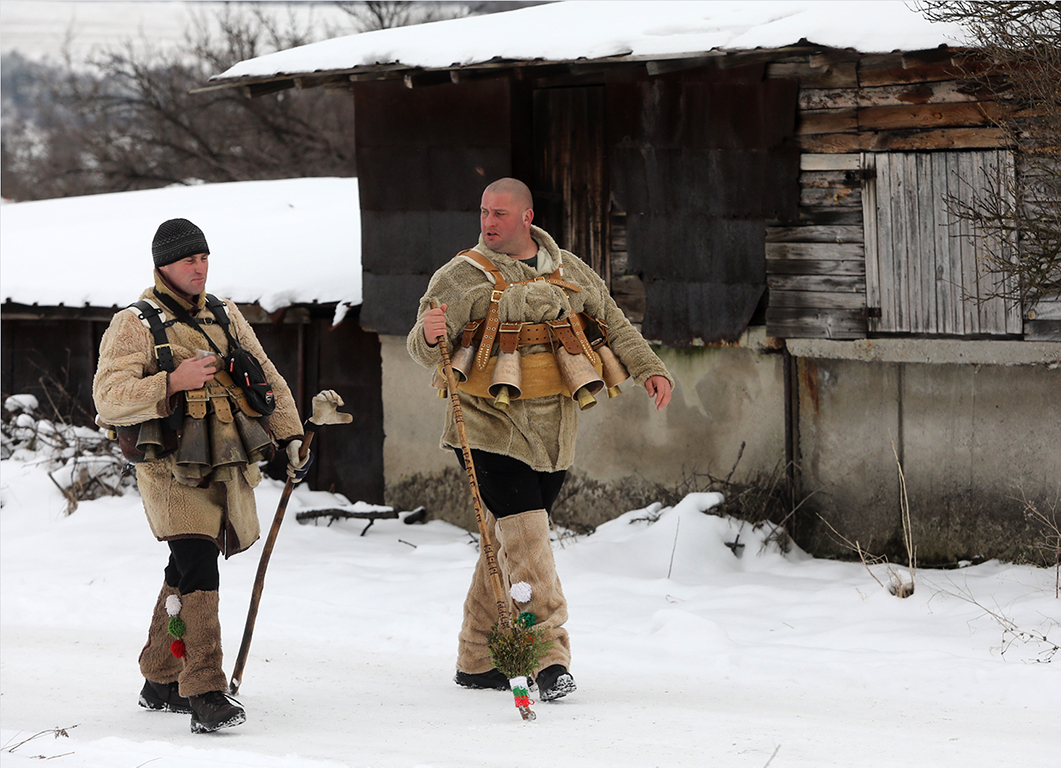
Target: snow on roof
(272,242)
(593,29)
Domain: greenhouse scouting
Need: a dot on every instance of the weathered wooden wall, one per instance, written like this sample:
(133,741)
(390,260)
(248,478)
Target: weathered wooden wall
(699,163)
(423,157)
(856,111)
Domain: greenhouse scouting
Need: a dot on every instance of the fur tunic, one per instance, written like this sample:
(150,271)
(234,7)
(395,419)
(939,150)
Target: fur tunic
(539,432)
(129,389)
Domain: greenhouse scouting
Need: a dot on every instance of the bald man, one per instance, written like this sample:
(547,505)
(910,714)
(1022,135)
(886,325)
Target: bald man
(522,449)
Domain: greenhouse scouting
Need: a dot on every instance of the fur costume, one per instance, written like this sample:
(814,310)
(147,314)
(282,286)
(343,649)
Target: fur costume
(539,432)
(129,389)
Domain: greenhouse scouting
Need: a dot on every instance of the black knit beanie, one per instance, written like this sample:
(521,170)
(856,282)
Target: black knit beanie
(177,239)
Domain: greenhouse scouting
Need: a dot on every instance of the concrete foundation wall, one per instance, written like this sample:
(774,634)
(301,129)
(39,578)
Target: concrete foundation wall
(975,443)
(628,454)
(971,437)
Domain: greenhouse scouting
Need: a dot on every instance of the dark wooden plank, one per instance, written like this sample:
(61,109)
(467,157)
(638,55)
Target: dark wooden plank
(829,179)
(816,251)
(815,234)
(824,283)
(391,302)
(350,459)
(841,197)
(881,72)
(815,267)
(823,216)
(816,75)
(569,171)
(923,116)
(817,299)
(895,141)
(826,121)
(816,323)
(1042,330)
(942,92)
(679,313)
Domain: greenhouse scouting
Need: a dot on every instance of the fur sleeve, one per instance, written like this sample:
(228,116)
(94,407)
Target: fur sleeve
(465,291)
(128,387)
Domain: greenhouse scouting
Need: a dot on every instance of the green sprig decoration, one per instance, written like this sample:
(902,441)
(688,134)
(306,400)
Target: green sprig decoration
(516,650)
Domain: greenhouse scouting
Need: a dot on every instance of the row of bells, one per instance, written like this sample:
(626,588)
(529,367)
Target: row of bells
(210,443)
(578,374)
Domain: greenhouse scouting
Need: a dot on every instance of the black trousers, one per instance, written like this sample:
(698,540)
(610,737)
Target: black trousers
(508,486)
(193,565)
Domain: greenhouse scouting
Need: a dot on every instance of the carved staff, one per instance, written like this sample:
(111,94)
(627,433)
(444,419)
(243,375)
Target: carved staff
(325,411)
(504,621)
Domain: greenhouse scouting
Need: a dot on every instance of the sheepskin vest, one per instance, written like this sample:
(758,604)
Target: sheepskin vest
(537,431)
(129,388)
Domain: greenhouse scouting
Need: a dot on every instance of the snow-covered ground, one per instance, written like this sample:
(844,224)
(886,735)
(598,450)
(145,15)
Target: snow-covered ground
(684,653)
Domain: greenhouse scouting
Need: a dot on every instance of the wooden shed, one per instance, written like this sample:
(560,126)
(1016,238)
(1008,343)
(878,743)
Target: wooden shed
(58,301)
(789,181)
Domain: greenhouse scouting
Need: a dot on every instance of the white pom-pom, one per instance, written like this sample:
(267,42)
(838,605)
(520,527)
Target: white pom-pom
(521,592)
(173,605)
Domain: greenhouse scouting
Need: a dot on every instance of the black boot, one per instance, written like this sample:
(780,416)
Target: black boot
(163,697)
(215,710)
(490,679)
(554,682)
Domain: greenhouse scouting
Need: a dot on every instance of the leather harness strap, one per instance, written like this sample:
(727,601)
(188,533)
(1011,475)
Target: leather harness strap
(493,320)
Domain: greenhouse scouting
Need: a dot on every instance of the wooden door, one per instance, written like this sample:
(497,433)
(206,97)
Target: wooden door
(569,184)
(924,271)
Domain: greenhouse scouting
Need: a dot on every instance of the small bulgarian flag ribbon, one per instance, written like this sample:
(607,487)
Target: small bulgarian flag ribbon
(176,627)
(520,691)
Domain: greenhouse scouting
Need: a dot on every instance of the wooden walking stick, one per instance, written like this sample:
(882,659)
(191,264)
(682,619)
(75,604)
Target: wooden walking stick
(324,412)
(504,620)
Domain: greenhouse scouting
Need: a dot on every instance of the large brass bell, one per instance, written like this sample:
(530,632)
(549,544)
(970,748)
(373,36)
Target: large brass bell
(580,377)
(226,448)
(149,439)
(614,371)
(505,386)
(194,450)
(256,441)
(438,381)
(462,361)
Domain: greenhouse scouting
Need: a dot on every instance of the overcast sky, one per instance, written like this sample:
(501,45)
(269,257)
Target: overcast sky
(39,28)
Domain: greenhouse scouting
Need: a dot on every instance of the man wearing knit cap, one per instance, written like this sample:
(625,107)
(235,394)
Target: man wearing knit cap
(516,293)
(196,443)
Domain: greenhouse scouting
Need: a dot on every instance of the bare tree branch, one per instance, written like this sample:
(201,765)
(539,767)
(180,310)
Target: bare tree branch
(1019,223)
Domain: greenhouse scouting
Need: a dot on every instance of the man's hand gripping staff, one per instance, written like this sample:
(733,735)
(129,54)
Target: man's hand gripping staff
(325,411)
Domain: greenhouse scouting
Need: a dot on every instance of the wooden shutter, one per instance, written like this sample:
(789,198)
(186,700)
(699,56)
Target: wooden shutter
(923,272)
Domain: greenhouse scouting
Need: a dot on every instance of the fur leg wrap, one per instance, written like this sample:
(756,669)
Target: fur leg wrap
(526,555)
(480,614)
(157,662)
(202,671)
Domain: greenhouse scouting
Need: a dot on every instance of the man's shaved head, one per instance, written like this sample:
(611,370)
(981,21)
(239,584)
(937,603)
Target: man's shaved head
(520,192)
(505,217)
